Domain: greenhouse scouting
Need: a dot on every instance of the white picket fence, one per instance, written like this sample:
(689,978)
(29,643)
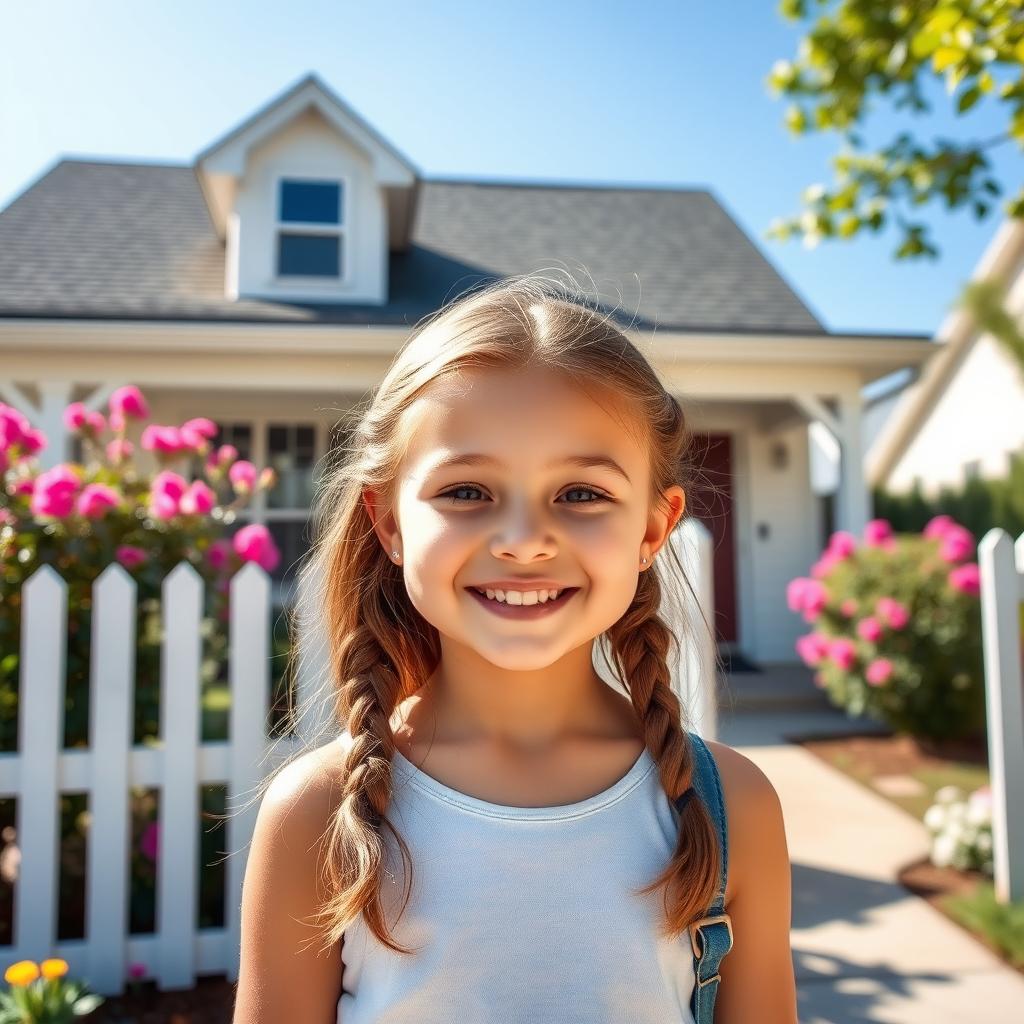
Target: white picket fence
(41,770)
(178,766)
(1002,590)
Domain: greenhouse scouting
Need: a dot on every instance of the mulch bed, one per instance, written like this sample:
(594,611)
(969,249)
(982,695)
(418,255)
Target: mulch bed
(212,1001)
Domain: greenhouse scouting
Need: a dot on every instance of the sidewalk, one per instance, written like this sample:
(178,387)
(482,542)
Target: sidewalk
(864,948)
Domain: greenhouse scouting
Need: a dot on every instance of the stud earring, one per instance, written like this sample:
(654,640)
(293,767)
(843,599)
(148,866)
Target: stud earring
(643,561)
(395,554)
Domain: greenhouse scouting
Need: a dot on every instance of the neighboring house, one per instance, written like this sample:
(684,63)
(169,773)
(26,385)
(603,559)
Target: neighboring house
(964,416)
(269,283)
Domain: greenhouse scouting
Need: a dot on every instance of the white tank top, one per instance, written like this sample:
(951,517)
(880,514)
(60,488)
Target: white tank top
(525,915)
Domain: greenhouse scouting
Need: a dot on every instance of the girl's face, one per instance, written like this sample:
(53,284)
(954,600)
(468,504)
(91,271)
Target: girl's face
(528,511)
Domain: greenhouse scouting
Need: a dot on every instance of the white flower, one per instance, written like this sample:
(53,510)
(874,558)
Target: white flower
(985,842)
(814,192)
(935,818)
(979,807)
(949,794)
(943,849)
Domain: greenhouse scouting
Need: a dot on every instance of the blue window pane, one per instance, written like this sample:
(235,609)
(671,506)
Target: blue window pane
(311,202)
(309,255)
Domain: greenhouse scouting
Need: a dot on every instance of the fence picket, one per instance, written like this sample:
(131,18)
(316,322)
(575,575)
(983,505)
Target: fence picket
(177,885)
(40,737)
(108,863)
(247,737)
(1002,590)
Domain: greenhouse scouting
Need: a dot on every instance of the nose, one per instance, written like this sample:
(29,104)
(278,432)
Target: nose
(524,536)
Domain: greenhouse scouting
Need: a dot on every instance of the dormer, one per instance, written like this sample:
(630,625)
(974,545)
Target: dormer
(308,200)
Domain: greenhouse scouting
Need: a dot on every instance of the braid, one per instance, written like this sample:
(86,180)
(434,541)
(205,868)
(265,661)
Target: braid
(640,643)
(367,699)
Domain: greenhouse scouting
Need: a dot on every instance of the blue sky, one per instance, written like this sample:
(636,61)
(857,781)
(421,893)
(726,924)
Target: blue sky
(580,90)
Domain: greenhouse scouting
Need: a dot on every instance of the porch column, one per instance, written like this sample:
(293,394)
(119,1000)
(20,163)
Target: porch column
(853,501)
(47,415)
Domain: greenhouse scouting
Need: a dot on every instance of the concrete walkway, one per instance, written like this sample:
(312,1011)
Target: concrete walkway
(864,948)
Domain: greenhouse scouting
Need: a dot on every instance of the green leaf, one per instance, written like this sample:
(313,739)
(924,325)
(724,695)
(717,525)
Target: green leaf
(924,43)
(968,99)
(945,56)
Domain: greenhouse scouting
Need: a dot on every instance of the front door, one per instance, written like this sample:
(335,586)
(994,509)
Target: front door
(710,500)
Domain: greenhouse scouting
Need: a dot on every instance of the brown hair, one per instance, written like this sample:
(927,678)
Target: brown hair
(380,649)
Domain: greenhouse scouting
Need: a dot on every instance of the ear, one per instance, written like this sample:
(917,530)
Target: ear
(384,523)
(664,516)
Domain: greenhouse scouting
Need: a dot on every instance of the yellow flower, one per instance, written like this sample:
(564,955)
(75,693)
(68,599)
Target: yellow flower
(55,968)
(24,972)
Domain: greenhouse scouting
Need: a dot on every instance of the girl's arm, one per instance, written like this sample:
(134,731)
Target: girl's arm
(282,976)
(757,973)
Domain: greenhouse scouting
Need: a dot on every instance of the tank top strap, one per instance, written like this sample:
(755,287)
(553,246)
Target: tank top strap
(711,935)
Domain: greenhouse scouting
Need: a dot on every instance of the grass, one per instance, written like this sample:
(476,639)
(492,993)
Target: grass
(979,911)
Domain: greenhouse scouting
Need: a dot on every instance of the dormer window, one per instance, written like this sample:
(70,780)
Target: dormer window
(310,229)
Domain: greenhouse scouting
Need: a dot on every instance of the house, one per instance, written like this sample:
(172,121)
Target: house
(963,417)
(268,283)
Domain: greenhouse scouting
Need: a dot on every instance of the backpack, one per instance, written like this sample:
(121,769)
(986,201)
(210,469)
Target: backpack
(715,928)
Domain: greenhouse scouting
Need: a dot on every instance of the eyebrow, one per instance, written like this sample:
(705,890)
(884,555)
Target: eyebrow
(582,461)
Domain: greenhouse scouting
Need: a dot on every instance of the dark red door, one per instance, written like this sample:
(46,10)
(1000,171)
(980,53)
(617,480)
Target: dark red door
(710,501)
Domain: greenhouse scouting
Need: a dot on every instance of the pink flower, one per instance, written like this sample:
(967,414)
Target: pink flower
(877,532)
(937,527)
(823,566)
(892,612)
(137,970)
(870,629)
(807,596)
(253,543)
(842,543)
(879,671)
(242,475)
(54,492)
(268,477)
(812,648)
(843,653)
(119,449)
(198,499)
(149,844)
(130,556)
(849,607)
(165,497)
(128,402)
(162,439)
(195,433)
(33,441)
(95,499)
(966,578)
(74,416)
(956,544)
(13,427)
(218,552)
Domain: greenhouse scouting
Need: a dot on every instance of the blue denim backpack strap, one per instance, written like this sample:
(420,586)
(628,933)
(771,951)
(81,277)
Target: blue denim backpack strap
(711,935)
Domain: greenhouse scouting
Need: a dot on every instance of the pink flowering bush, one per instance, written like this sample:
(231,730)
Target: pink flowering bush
(80,517)
(897,627)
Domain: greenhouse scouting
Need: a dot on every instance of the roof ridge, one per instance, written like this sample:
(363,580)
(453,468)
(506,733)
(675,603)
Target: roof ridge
(583,186)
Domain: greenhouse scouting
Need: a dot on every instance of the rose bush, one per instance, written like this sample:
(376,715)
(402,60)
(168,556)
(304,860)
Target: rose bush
(79,518)
(897,627)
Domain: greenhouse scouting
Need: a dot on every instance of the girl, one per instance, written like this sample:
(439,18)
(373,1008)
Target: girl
(579,855)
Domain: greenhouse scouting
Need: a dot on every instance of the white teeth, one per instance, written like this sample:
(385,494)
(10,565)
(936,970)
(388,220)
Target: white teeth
(520,597)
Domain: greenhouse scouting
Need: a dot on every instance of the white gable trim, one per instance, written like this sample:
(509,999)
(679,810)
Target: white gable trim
(220,165)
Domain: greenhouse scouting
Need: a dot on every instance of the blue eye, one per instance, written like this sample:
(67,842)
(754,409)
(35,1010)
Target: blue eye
(599,495)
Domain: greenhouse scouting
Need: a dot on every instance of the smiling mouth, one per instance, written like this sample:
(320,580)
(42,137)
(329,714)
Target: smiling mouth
(523,611)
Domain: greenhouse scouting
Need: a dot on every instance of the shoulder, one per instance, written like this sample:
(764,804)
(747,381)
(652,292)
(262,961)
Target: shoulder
(754,817)
(284,972)
(757,975)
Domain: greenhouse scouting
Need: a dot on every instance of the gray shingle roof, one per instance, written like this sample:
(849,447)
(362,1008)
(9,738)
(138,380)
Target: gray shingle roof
(115,240)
